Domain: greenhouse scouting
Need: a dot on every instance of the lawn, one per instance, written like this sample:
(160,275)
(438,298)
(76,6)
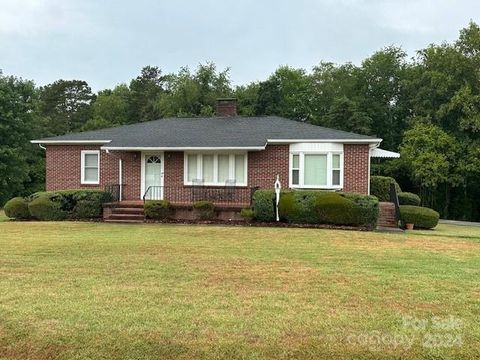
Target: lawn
(102,291)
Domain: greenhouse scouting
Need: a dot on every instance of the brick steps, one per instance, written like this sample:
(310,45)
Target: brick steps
(127,212)
(386,216)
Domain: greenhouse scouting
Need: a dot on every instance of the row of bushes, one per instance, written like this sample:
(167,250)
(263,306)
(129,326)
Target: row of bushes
(58,205)
(162,209)
(317,207)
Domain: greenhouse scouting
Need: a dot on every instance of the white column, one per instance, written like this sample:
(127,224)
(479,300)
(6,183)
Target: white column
(120,181)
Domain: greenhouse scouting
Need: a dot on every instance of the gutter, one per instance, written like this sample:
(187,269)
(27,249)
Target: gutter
(70,142)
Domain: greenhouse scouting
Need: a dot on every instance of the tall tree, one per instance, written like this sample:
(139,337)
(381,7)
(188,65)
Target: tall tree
(194,94)
(287,92)
(145,91)
(65,106)
(16,105)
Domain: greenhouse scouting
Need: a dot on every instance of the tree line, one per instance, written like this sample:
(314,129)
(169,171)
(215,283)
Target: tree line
(427,107)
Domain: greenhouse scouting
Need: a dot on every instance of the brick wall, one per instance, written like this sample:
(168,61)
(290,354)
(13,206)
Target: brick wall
(355,169)
(263,166)
(63,169)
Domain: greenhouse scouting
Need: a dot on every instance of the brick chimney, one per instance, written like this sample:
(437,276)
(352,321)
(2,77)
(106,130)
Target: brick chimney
(227,107)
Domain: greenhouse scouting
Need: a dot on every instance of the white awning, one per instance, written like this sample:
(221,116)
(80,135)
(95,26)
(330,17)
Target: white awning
(380,153)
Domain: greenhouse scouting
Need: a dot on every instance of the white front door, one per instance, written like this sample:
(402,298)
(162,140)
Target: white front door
(153,176)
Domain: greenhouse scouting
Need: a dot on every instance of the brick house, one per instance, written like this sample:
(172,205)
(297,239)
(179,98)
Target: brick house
(219,158)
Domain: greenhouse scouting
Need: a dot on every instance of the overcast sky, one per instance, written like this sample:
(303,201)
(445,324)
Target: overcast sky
(107,42)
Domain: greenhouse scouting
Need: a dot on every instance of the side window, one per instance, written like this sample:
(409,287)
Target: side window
(90,162)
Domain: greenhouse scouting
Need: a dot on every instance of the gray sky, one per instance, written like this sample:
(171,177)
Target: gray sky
(107,42)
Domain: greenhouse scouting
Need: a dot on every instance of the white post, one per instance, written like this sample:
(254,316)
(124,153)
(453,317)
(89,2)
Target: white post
(120,179)
(278,187)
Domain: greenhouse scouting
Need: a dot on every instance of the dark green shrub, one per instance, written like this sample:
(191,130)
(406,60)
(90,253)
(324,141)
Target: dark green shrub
(263,205)
(158,209)
(247,213)
(76,204)
(369,208)
(45,207)
(317,207)
(421,217)
(204,209)
(299,206)
(380,187)
(407,198)
(87,209)
(335,209)
(17,208)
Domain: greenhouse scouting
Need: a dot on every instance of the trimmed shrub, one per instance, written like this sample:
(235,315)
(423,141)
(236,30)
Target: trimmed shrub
(17,208)
(247,213)
(46,207)
(158,209)
(300,206)
(420,217)
(369,208)
(380,187)
(335,209)
(319,207)
(263,205)
(407,198)
(204,209)
(74,204)
(87,209)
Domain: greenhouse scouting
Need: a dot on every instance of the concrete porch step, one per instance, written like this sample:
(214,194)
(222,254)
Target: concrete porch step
(138,217)
(124,221)
(127,210)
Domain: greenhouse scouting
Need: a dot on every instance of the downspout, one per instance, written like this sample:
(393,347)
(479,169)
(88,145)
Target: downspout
(371,148)
(120,180)
(42,147)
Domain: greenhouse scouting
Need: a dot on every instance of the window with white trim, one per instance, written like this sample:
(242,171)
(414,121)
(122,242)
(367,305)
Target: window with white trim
(215,169)
(316,170)
(90,167)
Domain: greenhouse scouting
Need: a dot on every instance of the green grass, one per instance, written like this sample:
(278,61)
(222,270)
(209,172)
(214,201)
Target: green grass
(3,217)
(101,291)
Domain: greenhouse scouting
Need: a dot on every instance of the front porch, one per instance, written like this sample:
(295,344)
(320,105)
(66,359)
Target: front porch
(132,211)
(221,196)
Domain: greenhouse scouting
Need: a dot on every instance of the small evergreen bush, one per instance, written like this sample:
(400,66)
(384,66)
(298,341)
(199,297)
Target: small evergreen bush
(17,208)
(158,209)
(420,217)
(407,198)
(263,209)
(87,209)
(46,208)
(247,213)
(380,187)
(204,209)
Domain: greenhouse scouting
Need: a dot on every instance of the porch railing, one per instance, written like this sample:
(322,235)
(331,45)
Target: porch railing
(394,200)
(115,190)
(187,195)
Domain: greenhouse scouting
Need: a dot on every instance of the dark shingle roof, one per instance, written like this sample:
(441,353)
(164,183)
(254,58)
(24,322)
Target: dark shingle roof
(236,131)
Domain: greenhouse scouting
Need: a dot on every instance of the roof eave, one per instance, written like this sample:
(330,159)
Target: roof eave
(183,148)
(344,141)
(70,142)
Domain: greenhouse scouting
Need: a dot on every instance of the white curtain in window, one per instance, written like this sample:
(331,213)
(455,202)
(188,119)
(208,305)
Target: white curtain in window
(192,167)
(208,168)
(315,169)
(223,168)
(239,169)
